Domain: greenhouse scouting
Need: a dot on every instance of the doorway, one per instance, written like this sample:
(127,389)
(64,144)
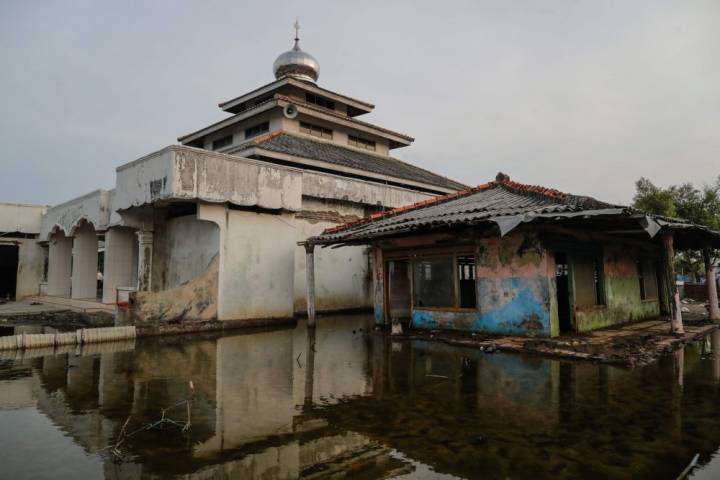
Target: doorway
(8,270)
(562,288)
(398,288)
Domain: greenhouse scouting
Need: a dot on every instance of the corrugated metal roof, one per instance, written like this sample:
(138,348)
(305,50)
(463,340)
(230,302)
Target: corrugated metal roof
(503,202)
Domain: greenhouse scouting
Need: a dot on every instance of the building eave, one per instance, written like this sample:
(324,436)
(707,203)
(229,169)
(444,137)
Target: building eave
(227,122)
(365,107)
(256,150)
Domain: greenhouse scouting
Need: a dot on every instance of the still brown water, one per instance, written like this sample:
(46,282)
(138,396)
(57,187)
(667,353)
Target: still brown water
(267,404)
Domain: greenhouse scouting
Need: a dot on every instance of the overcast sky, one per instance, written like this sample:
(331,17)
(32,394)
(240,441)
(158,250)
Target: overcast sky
(583,96)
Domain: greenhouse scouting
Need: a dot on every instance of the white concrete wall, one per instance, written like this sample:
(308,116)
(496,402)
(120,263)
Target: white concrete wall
(120,261)
(183,249)
(15,217)
(31,263)
(342,276)
(327,186)
(183,173)
(256,263)
(59,265)
(93,207)
(85,262)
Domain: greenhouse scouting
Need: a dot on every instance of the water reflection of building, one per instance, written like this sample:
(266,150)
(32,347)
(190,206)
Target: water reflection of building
(248,414)
(284,404)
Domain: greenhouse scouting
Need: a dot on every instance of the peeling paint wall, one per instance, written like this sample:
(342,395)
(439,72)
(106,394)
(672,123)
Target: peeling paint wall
(93,208)
(622,293)
(183,173)
(513,291)
(191,301)
(256,263)
(182,250)
(31,259)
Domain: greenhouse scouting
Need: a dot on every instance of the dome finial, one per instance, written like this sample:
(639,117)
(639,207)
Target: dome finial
(296,63)
(296,25)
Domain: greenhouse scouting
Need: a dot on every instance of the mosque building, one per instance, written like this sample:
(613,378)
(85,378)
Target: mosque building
(209,229)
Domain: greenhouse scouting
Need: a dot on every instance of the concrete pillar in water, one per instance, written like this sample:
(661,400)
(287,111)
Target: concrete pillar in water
(676,325)
(85,262)
(711,283)
(59,265)
(145,253)
(119,258)
(310,282)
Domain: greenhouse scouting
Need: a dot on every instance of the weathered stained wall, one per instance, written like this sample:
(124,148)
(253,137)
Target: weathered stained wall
(93,207)
(15,217)
(342,276)
(622,293)
(513,291)
(182,250)
(256,262)
(31,258)
(183,173)
(193,301)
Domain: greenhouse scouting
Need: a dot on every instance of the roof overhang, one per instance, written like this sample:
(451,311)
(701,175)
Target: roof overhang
(396,139)
(358,106)
(258,151)
(244,115)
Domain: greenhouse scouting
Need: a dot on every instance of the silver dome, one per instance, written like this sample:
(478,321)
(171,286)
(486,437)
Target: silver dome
(297,64)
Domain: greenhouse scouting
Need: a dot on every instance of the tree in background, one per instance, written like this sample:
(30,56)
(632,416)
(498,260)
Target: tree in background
(701,206)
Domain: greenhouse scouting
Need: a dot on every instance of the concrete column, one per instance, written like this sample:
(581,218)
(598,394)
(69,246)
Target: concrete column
(85,262)
(310,282)
(145,253)
(669,277)
(711,283)
(59,265)
(118,272)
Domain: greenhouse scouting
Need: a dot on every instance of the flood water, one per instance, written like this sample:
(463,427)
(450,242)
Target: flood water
(350,403)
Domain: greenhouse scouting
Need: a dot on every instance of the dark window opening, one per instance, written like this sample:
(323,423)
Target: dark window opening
(222,142)
(562,288)
(256,130)
(434,282)
(9,257)
(361,143)
(641,279)
(316,130)
(320,101)
(398,284)
(466,281)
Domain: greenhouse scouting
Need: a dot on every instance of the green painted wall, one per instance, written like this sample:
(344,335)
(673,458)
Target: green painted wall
(622,293)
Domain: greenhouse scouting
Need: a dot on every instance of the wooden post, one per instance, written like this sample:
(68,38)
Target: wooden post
(310,282)
(711,283)
(676,325)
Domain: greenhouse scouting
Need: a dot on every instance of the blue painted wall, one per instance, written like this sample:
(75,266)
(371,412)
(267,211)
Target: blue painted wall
(511,306)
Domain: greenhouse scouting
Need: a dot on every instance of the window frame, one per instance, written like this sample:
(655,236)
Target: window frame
(454,253)
(362,143)
(259,128)
(229,138)
(316,130)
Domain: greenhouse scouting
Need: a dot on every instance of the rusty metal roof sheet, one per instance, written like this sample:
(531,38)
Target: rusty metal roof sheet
(502,202)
